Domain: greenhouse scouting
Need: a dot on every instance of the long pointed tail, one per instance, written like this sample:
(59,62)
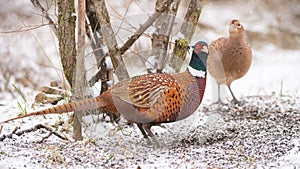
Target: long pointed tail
(87,104)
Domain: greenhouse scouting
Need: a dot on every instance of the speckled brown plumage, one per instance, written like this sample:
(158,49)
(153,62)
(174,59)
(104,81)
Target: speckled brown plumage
(159,98)
(230,57)
(149,99)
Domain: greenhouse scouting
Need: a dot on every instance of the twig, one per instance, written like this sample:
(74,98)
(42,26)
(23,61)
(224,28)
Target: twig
(123,19)
(36,127)
(139,32)
(15,130)
(44,138)
(110,39)
(24,29)
(94,33)
(37,4)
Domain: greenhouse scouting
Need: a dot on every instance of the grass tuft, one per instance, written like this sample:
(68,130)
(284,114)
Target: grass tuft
(23,109)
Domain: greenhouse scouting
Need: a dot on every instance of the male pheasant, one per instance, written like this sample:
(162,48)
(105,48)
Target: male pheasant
(229,57)
(149,99)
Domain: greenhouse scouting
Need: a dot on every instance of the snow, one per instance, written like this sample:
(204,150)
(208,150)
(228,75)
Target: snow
(30,60)
(291,159)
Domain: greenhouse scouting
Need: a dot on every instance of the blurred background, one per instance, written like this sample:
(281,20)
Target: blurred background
(29,49)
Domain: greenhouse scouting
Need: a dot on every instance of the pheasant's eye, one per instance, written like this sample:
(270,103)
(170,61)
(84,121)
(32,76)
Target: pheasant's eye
(239,25)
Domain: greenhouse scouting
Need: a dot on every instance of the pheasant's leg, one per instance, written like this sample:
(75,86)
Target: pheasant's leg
(142,130)
(219,95)
(140,126)
(147,127)
(234,98)
(219,101)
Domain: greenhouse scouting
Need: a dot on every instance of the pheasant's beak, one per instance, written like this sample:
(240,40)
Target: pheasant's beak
(236,28)
(232,28)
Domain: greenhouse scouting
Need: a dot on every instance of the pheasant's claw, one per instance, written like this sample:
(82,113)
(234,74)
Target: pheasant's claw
(238,102)
(234,101)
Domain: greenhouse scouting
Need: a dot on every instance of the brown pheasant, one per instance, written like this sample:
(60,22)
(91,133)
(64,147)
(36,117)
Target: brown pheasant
(149,99)
(230,57)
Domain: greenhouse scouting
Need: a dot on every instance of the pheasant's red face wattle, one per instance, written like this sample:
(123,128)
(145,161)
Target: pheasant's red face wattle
(198,47)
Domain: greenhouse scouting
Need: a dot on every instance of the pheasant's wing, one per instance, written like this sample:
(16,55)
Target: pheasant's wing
(214,62)
(143,91)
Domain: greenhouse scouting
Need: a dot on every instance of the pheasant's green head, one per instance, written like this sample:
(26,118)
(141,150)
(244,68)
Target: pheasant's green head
(197,66)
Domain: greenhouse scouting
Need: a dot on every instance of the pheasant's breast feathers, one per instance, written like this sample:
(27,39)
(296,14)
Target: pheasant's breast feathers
(219,44)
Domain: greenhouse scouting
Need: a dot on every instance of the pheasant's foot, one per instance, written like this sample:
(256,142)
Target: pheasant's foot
(155,142)
(148,141)
(234,101)
(146,131)
(218,105)
(147,127)
(219,101)
(238,102)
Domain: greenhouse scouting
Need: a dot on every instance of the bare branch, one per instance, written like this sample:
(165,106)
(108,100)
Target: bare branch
(95,35)
(139,32)
(110,39)
(37,4)
(37,127)
(94,32)
(124,16)
(142,29)
(80,80)
(25,28)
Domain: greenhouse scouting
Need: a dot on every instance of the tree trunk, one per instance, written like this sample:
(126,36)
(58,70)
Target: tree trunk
(187,30)
(44,11)
(66,38)
(163,25)
(80,81)
(95,35)
(179,54)
(191,18)
(110,39)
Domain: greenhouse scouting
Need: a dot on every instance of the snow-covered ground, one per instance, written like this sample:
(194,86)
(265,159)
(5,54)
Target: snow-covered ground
(29,60)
